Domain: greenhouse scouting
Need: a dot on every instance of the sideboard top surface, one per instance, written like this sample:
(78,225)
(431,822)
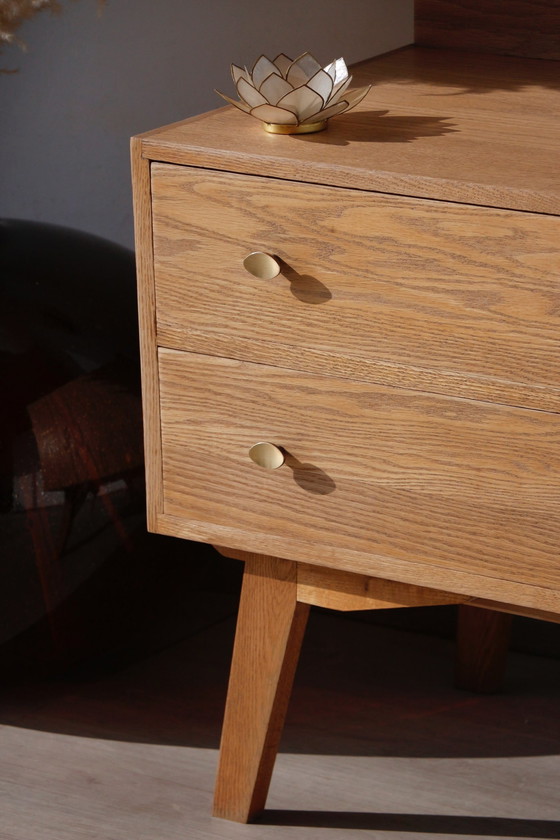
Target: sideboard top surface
(473,128)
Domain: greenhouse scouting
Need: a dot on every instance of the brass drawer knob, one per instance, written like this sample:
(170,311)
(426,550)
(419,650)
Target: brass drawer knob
(267,455)
(261,265)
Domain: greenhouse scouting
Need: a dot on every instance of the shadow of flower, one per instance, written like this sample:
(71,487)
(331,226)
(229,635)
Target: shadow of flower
(380,127)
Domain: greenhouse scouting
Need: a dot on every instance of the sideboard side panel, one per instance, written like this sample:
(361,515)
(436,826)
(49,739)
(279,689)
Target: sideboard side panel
(147,323)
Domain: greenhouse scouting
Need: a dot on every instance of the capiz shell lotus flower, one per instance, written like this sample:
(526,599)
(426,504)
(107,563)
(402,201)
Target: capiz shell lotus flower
(294,97)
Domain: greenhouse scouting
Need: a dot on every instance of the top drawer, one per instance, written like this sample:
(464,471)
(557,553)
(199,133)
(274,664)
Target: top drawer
(433,295)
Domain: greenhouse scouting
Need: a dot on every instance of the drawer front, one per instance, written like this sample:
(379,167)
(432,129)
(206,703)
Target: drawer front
(370,471)
(439,296)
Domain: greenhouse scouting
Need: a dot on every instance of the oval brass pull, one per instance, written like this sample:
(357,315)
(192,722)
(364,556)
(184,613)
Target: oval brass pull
(267,455)
(261,265)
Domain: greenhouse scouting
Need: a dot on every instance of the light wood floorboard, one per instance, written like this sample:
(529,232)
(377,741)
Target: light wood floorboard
(378,745)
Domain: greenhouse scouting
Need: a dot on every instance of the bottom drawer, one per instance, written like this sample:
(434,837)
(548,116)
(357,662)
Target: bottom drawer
(372,474)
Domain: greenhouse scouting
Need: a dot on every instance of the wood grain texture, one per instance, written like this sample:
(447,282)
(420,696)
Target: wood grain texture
(336,589)
(523,28)
(460,582)
(535,601)
(376,371)
(141,186)
(469,295)
(339,590)
(497,606)
(270,628)
(453,484)
(483,638)
(436,124)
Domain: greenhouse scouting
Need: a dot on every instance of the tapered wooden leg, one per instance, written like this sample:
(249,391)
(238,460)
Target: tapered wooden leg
(482,645)
(270,629)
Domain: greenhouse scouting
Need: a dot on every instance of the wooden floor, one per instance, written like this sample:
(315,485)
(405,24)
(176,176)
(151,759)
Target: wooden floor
(378,744)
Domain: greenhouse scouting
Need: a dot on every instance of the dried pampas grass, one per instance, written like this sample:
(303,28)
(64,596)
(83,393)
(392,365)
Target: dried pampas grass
(14,12)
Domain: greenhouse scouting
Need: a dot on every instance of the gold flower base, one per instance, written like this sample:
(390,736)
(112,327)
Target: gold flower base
(305,128)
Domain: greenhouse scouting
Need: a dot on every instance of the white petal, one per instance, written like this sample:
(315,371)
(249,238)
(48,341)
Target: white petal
(350,101)
(283,62)
(337,70)
(241,105)
(274,88)
(302,101)
(322,83)
(273,114)
(302,69)
(355,96)
(249,95)
(326,113)
(340,89)
(262,68)
(239,73)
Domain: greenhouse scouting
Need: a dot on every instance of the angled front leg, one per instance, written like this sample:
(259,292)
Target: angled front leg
(270,628)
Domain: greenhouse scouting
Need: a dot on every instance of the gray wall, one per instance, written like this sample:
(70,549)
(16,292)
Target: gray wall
(88,82)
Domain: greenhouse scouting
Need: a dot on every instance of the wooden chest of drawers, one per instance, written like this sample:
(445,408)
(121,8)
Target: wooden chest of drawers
(404,361)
